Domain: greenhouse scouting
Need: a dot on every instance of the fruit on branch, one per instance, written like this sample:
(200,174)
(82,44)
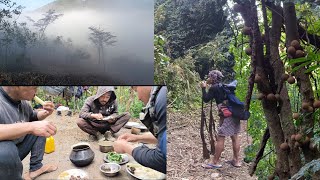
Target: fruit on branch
(261,96)
(277,97)
(305,106)
(298,137)
(291,80)
(295,116)
(312,146)
(293,137)
(306,141)
(285,77)
(246,30)
(299,54)
(271,97)
(291,51)
(271,177)
(297,144)
(295,44)
(310,109)
(257,78)
(316,104)
(248,51)
(284,146)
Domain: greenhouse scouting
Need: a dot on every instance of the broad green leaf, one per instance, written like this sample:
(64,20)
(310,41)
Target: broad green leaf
(298,60)
(300,66)
(312,68)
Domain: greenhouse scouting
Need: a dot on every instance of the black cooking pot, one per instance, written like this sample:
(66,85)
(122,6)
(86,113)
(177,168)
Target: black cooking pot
(81,155)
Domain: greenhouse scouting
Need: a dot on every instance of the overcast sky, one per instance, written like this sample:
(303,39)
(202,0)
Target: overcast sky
(31,5)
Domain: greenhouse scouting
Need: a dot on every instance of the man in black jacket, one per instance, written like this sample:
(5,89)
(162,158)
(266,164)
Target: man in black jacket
(155,99)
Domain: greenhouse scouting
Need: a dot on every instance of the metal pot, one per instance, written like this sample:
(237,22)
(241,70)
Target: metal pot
(81,154)
(106,146)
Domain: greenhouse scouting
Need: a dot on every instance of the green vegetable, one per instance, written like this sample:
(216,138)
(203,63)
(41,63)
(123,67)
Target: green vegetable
(114,157)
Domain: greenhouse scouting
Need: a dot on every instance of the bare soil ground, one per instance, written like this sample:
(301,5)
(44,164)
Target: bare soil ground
(185,151)
(68,134)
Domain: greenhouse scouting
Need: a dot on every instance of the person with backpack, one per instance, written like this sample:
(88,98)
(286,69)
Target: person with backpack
(155,119)
(228,124)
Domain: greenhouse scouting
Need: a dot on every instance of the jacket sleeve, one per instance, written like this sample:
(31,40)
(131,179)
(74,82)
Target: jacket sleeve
(207,96)
(85,110)
(152,158)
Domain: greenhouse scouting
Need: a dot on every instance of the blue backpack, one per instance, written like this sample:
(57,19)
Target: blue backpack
(234,104)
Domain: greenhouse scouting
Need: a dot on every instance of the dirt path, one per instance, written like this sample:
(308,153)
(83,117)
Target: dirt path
(185,151)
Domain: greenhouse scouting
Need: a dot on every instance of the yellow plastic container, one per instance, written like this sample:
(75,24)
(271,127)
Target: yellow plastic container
(49,148)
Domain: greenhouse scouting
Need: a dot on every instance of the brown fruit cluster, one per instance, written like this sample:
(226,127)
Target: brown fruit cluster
(298,137)
(305,105)
(248,51)
(271,97)
(271,177)
(316,104)
(285,77)
(246,30)
(261,96)
(291,80)
(299,54)
(284,146)
(295,116)
(295,44)
(297,144)
(257,78)
(291,51)
(277,97)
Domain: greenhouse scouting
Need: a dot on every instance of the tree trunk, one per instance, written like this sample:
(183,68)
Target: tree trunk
(99,51)
(284,103)
(251,19)
(303,80)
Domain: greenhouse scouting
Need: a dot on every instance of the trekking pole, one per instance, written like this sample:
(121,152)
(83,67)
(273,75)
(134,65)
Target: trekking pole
(204,145)
(211,125)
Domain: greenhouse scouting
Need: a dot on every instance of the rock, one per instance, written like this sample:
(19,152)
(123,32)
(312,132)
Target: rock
(214,175)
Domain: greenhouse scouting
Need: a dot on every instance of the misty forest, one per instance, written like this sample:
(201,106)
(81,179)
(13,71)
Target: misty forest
(77,41)
(272,49)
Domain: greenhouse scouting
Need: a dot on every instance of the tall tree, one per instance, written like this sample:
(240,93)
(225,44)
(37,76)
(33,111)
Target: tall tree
(101,38)
(49,17)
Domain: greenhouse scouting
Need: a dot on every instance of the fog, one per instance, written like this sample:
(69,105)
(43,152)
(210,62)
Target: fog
(65,47)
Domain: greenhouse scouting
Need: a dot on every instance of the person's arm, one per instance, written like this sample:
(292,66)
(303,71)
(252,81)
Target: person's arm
(144,155)
(14,131)
(85,110)
(207,96)
(17,130)
(152,158)
(144,138)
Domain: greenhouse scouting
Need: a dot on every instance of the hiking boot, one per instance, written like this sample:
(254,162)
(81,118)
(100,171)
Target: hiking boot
(100,136)
(109,136)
